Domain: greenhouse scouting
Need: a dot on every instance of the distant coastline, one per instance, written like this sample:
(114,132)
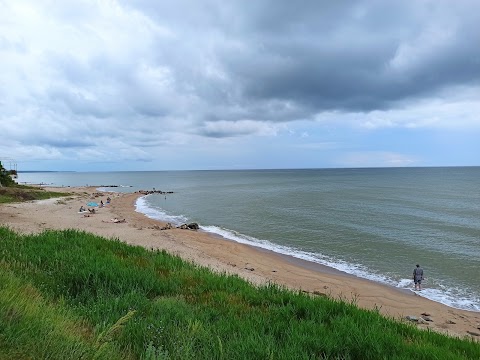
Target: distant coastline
(43,171)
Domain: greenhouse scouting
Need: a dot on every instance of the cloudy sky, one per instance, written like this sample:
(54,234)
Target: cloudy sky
(214,84)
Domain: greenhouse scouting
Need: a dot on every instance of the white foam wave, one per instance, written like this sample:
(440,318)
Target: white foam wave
(451,297)
(142,206)
(115,188)
(455,298)
(405,283)
(349,268)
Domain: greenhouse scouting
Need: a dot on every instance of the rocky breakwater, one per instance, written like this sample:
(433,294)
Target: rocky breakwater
(148,192)
(168,226)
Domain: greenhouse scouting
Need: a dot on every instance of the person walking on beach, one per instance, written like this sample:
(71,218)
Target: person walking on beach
(418,277)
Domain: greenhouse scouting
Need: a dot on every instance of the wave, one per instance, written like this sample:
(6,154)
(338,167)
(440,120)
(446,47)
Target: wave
(113,188)
(452,297)
(142,206)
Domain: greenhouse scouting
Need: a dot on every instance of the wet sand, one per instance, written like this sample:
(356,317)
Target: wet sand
(258,266)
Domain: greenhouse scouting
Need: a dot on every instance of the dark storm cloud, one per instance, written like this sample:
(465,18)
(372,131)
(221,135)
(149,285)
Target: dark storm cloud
(318,55)
(362,57)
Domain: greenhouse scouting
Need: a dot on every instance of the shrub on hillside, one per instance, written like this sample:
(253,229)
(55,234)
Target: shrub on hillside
(5,178)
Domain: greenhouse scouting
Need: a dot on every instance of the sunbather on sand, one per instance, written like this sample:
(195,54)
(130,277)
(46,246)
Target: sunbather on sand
(115,220)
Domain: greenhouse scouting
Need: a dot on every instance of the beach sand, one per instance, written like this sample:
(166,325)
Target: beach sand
(256,265)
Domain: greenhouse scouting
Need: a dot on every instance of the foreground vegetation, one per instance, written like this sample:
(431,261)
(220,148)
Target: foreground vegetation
(73,295)
(18,193)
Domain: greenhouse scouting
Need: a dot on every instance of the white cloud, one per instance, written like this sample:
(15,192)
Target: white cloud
(458,108)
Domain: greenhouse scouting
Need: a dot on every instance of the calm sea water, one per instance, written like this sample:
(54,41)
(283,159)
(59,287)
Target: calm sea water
(372,223)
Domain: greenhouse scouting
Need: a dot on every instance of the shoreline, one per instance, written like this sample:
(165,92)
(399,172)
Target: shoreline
(257,265)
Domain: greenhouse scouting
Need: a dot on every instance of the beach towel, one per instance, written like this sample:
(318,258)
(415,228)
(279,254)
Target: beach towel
(92,204)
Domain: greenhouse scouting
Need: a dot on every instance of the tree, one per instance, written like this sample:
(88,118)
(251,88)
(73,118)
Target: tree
(5,178)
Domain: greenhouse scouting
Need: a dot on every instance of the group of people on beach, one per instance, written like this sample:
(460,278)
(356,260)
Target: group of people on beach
(108,202)
(115,220)
(83,209)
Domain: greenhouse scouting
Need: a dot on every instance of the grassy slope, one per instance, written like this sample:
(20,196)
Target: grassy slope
(26,193)
(69,294)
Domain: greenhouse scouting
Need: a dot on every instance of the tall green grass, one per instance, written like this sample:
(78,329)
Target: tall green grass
(73,295)
(19,193)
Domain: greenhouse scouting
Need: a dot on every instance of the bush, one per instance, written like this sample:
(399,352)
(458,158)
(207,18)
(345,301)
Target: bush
(5,178)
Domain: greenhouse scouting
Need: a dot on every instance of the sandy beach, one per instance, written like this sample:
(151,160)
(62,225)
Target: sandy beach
(256,265)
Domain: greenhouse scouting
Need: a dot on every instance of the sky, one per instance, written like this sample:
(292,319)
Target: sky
(213,84)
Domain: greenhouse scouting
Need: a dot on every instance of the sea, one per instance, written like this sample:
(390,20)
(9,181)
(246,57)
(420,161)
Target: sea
(373,223)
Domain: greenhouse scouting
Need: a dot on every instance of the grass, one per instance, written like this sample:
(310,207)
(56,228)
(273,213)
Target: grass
(20,193)
(73,295)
